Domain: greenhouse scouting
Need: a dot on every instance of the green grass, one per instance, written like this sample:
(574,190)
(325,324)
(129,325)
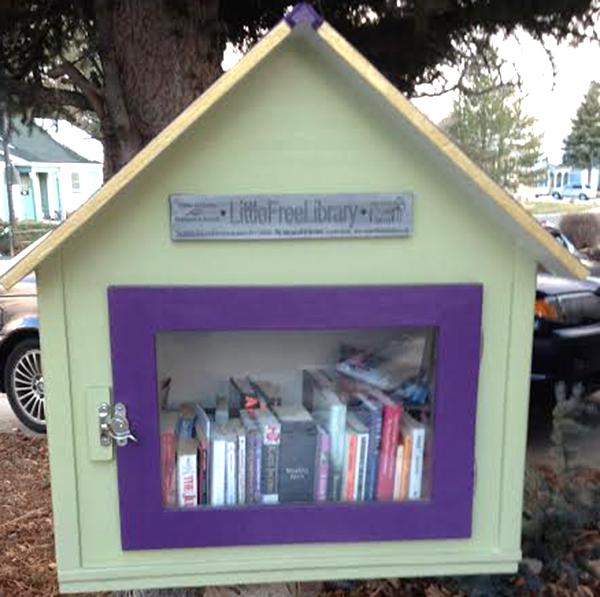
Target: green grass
(548,207)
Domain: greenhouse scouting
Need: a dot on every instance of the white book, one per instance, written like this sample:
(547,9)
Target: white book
(187,473)
(217,471)
(230,472)
(415,477)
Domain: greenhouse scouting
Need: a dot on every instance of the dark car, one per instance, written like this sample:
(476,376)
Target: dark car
(20,359)
(566,344)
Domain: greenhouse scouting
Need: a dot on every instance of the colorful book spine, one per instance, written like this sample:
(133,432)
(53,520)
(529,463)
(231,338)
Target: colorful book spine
(187,473)
(168,459)
(321,465)
(253,441)
(369,412)
(406,458)
(398,473)
(241,466)
(390,429)
(349,475)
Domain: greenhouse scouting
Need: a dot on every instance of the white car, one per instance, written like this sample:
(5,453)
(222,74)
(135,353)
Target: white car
(576,190)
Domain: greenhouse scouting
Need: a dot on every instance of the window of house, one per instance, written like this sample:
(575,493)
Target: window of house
(566,178)
(25,182)
(559,179)
(75,182)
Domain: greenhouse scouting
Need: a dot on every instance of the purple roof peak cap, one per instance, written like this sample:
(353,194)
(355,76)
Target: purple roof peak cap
(304,13)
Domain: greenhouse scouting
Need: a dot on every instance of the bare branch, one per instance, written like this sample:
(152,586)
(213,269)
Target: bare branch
(92,93)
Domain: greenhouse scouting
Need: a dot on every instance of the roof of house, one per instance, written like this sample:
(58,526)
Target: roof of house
(499,202)
(33,144)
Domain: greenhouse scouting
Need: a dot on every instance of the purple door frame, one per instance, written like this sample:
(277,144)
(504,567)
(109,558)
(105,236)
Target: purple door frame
(137,314)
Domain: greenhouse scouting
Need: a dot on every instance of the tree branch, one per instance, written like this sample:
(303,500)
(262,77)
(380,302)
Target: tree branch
(92,93)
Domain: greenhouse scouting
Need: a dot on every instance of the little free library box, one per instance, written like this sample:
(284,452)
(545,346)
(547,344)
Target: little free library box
(290,340)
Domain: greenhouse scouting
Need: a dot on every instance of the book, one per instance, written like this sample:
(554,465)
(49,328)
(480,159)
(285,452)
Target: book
(362,452)
(187,472)
(369,412)
(398,473)
(416,431)
(386,368)
(187,420)
(330,412)
(298,445)
(204,423)
(390,432)
(348,493)
(218,465)
(253,455)
(406,458)
(168,457)
(241,394)
(270,431)
(240,439)
(321,465)
(314,380)
(267,392)
(230,469)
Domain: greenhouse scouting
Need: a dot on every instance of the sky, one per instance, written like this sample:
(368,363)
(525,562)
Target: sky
(551,100)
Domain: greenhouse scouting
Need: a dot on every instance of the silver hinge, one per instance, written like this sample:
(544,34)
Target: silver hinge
(113,425)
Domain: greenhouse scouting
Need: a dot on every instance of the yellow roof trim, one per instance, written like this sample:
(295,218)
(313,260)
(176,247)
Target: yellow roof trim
(502,198)
(28,260)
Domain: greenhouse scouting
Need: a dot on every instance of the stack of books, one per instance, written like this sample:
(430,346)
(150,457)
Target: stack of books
(354,438)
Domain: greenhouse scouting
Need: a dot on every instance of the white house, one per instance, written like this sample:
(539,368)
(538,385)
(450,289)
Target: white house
(558,177)
(50,180)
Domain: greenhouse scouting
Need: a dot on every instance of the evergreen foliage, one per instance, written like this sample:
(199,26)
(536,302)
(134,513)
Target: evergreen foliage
(490,125)
(582,145)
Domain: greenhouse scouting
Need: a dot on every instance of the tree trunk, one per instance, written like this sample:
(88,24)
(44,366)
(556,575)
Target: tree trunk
(149,82)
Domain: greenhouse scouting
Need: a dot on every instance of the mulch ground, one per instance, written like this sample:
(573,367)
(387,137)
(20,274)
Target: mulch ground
(28,568)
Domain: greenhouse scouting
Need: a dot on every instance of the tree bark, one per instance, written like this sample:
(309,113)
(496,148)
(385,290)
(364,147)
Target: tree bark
(157,57)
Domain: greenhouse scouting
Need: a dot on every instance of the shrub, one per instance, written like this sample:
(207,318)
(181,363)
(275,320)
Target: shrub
(26,232)
(583,229)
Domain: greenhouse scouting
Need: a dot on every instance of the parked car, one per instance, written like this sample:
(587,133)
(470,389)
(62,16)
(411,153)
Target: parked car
(566,344)
(576,190)
(20,358)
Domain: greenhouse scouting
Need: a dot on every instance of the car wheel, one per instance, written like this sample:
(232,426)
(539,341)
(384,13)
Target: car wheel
(556,195)
(24,384)
(583,197)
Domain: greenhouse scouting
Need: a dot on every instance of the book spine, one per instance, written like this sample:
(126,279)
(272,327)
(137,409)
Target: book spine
(322,466)
(241,468)
(187,480)
(416,464)
(217,473)
(361,466)
(168,457)
(350,469)
(398,473)
(203,466)
(270,464)
(373,458)
(406,458)
(387,459)
(231,477)
(250,466)
(258,449)
(337,429)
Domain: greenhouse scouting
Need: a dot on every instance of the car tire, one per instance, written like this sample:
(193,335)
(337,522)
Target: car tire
(583,197)
(24,384)
(556,195)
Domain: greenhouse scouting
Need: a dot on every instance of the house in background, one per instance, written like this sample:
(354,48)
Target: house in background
(52,179)
(556,178)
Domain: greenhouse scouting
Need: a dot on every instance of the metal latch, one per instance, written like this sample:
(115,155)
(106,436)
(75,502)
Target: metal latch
(113,425)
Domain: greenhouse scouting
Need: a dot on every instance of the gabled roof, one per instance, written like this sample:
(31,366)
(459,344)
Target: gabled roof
(509,212)
(33,144)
